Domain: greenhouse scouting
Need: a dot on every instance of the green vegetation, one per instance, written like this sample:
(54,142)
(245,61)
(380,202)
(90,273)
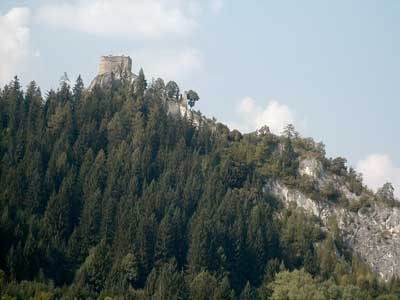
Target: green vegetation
(104,196)
(192,97)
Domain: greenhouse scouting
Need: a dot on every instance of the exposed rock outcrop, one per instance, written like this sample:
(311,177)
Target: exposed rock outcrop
(373,232)
(114,69)
(180,108)
(311,167)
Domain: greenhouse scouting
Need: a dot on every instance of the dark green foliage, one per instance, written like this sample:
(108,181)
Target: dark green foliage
(172,89)
(192,97)
(288,161)
(248,293)
(298,235)
(140,84)
(329,192)
(299,285)
(203,286)
(355,182)
(338,166)
(166,282)
(386,193)
(90,278)
(103,195)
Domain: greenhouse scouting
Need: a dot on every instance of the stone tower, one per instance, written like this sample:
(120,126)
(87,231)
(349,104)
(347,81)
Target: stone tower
(115,64)
(111,69)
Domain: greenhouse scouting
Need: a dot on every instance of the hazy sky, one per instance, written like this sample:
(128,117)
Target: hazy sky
(329,67)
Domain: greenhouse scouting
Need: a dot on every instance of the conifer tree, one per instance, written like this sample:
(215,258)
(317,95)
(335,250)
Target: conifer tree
(140,84)
(78,89)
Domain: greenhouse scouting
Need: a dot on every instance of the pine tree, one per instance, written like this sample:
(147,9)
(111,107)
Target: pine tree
(166,243)
(58,218)
(172,90)
(248,293)
(140,84)
(103,195)
(78,90)
(91,277)
(199,253)
(224,291)
(203,286)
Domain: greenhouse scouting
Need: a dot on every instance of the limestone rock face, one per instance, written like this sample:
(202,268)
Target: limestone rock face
(112,70)
(311,167)
(180,109)
(176,108)
(373,233)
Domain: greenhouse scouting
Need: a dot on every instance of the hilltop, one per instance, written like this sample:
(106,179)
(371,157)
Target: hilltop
(123,191)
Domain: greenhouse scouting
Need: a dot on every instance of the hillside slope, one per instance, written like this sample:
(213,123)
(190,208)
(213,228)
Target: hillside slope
(124,192)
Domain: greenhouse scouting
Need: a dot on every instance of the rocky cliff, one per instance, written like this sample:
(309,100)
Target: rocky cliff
(373,232)
(114,69)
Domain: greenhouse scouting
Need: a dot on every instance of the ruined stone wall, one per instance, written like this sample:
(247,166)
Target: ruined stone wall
(115,64)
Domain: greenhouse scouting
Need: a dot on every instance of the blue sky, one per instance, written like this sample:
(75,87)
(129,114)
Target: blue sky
(329,67)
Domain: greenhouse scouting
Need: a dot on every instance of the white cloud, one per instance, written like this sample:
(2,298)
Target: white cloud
(121,18)
(377,169)
(216,6)
(15,49)
(172,64)
(275,115)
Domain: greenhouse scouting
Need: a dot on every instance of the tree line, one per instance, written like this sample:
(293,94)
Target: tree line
(103,195)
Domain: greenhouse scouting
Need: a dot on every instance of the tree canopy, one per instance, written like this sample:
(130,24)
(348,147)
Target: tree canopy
(103,195)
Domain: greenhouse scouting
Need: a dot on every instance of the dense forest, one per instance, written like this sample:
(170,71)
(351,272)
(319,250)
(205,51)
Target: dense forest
(103,195)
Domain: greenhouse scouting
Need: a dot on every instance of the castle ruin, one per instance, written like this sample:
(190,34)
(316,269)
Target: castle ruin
(115,64)
(112,69)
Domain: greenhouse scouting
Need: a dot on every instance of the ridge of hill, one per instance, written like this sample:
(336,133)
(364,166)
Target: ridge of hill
(116,192)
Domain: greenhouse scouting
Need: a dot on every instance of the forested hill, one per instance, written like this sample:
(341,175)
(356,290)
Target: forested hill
(103,195)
